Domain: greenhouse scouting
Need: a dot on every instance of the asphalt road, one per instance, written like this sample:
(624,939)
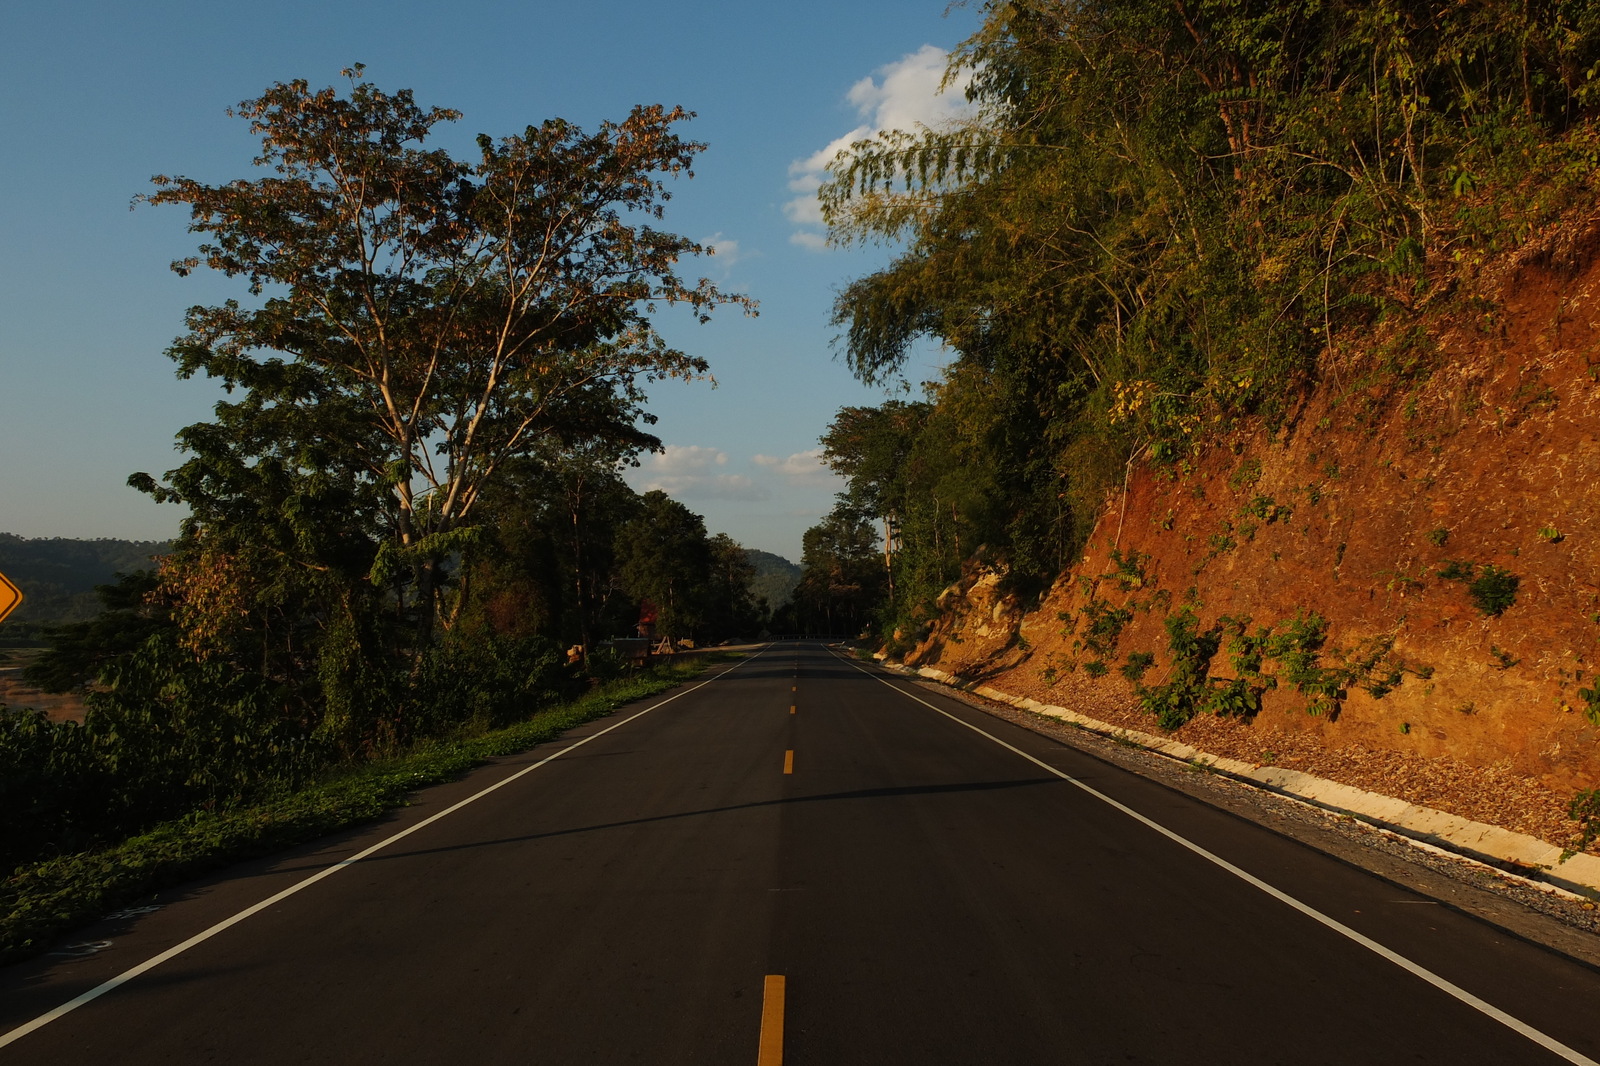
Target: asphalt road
(803,859)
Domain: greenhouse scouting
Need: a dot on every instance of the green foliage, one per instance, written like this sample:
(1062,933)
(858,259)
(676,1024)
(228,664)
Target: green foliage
(421,320)
(843,578)
(731,610)
(1493,590)
(80,650)
(1267,510)
(43,898)
(1103,625)
(1591,703)
(1159,217)
(1245,475)
(1585,810)
(1437,537)
(1129,569)
(1232,698)
(1186,691)
(1135,665)
(480,682)
(1296,646)
(774,579)
(1295,649)
(665,558)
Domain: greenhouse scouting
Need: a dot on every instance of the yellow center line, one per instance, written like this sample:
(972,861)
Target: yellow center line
(791,708)
(771,1051)
(788,761)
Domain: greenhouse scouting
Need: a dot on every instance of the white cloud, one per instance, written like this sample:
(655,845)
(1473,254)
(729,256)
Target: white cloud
(690,472)
(905,96)
(909,96)
(801,468)
(726,251)
(810,241)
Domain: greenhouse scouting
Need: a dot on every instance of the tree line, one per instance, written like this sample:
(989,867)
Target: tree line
(410,502)
(1167,216)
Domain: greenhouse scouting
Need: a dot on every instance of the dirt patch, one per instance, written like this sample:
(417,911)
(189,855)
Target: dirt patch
(1401,585)
(58,707)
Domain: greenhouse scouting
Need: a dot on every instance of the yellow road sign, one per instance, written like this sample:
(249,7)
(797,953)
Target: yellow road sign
(10,597)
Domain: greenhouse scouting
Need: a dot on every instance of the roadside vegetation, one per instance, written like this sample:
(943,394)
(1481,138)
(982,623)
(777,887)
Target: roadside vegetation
(41,899)
(1167,217)
(408,537)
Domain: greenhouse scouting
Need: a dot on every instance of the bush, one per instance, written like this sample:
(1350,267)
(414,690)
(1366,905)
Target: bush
(51,785)
(1493,590)
(485,681)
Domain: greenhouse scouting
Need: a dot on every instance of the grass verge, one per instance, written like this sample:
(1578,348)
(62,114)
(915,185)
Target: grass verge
(43,900)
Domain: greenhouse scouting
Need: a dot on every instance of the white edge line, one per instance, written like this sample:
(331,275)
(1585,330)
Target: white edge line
(1515,1024)
(173,952)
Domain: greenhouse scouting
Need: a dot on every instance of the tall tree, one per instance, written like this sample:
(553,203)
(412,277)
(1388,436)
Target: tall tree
(843,577)
(664,556)
(730,598)
(452,314)
(1165,212)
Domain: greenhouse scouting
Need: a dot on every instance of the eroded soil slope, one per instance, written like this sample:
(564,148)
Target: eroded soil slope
(1400,588)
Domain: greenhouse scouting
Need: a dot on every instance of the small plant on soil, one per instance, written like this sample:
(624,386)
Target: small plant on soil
(1437,537)
(1493,590)
(1297,647)
(1095,668)
(1129,573)
(1233,698)
(1552,535)
(1136,665)
(1246,475)
(1104,626)
(1591,700)
(1267,509)
(1585,810)
(1504,660)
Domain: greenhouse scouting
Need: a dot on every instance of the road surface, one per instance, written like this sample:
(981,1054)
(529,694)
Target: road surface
(801,859)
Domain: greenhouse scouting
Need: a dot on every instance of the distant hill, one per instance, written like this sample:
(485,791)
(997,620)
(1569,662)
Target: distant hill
(775,578)
(57,575)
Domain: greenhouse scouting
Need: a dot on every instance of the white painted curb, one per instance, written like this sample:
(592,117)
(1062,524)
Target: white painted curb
(1486,843)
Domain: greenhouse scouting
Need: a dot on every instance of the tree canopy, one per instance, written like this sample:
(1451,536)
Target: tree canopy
(419,320)
(1165,214)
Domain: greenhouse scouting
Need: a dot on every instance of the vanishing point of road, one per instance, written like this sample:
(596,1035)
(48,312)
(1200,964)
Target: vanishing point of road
(800,859)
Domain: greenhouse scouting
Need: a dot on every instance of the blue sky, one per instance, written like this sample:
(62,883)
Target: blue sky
(95,98)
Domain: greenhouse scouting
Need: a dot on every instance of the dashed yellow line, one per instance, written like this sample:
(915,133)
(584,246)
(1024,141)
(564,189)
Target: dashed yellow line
(770,1052)
(788,761)
(791,708)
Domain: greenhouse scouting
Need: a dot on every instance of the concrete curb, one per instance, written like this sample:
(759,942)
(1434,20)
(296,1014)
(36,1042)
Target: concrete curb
(1579,875)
